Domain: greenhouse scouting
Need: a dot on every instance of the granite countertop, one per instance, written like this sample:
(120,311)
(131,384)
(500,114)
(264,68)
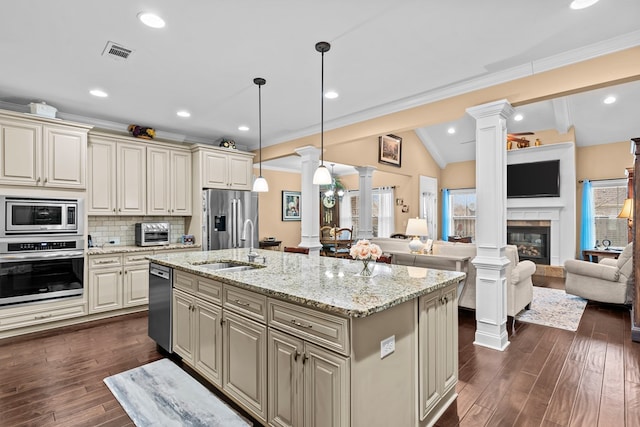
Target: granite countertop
(330,284)
(112,249)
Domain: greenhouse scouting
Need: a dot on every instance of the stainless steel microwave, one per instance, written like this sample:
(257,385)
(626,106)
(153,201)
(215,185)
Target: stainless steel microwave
(32,216)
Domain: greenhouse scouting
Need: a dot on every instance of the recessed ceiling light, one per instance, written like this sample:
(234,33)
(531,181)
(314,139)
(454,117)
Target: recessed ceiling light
(609,99)
(99,93)
(183,113)
(331,94)
(518,117)
(451,130)
(582,4)
(243,128)
(151,20)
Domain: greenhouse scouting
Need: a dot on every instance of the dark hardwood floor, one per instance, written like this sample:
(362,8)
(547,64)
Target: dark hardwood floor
(546,377)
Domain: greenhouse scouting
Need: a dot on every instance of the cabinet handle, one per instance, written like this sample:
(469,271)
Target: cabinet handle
(304,358)
(296,355)
(119,209)
(242,303)
(45,180)
(302,325)
(137,259)
(38,180)
(120,272)
(44,316)
(221,322)
(106,262)
(114,210)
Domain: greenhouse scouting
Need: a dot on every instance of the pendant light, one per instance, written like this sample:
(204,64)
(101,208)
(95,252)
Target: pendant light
(260,185)
(322,175)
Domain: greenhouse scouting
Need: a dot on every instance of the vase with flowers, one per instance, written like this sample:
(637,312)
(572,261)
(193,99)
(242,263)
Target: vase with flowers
(366,252)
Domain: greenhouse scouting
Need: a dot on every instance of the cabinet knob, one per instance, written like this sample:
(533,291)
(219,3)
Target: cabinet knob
(114,210)
(119,209)
(296,355)
(304,358)
(45,180)
(38,180)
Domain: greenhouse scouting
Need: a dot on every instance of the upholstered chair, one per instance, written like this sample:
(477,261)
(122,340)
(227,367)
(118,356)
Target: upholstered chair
(607,281)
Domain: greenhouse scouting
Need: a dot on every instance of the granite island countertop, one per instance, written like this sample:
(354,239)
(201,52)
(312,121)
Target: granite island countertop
(326,283)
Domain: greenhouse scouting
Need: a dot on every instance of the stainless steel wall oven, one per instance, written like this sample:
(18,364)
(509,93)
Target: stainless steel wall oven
(41,249)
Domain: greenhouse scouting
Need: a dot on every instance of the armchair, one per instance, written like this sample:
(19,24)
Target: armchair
(608,281)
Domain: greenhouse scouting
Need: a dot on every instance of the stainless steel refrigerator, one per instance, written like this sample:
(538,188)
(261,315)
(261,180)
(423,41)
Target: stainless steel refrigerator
(224,215)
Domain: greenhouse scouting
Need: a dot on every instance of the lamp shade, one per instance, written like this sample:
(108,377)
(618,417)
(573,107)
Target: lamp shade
(417,227)
(322,176)
(627,209)
(260,185)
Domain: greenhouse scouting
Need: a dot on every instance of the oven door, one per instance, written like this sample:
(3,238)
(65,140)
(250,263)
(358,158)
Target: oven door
(155,238)
(40,276)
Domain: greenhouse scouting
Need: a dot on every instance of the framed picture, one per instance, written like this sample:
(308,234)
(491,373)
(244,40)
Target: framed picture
(291,206)
(390,150)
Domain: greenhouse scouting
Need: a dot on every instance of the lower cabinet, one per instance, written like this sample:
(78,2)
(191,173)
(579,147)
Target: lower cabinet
(438,349)
(308,385)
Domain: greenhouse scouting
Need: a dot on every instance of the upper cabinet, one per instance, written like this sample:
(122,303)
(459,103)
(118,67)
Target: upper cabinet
(42,152)
(168,181)
(222,168)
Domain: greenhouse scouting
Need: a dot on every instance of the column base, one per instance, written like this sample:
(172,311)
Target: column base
(492,336)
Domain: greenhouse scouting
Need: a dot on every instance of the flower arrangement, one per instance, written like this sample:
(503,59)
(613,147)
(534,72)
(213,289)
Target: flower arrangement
(365,251)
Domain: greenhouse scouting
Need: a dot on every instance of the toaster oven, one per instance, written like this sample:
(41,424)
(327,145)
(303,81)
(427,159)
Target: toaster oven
(152,233)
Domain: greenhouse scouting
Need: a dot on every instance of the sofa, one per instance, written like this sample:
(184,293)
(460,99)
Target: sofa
(444,255)
(609,281)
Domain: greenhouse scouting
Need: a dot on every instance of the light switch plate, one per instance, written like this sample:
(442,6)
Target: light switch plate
(114,240)
(387,346)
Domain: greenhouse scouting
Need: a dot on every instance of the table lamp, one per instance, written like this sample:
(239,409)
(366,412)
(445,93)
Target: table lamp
(627,212)
(416,227)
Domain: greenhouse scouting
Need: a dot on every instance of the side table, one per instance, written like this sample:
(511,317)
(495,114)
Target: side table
(594,255)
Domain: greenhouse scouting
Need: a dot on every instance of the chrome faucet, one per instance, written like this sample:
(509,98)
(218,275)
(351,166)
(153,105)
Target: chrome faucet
(251,255)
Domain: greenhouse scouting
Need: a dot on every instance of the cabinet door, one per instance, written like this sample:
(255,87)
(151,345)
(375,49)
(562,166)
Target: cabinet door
(20,153)
(240,172)
(132,179)
(245,362)
(180,184)
(430,391)
(105,289)
(183,326)
(158,179)
(65,154)
(214,170)
(136,285)
(326,388)
(101,177)
(449,338)
(286,393)
(208,332)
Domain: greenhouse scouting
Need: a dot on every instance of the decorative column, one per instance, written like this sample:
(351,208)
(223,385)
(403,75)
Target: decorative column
(365,225)
(309,200)
(491,223)
(635,302)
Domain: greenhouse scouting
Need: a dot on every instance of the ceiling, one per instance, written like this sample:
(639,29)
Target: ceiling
(385,56)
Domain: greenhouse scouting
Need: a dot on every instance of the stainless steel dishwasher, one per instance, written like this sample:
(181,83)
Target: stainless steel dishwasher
(160,287)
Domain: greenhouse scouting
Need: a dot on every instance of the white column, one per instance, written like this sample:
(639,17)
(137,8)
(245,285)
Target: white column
(365,224)
(491,223)
(309,200)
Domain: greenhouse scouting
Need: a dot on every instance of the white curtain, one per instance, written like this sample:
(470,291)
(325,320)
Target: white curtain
(429,206)
(345,210)
(386,209)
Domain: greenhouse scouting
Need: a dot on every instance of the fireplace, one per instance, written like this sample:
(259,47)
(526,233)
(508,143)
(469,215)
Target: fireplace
(532,242)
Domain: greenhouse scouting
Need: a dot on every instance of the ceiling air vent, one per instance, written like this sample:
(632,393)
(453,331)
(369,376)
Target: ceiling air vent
(115,51)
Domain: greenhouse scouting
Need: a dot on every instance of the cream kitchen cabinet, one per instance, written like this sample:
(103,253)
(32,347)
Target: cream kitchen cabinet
(42,153)
(118,281)
(117,177)
(221,169)
(168,181)
(438,350)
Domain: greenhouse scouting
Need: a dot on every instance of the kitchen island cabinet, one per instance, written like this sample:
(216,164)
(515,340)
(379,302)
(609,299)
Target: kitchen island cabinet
(306,341)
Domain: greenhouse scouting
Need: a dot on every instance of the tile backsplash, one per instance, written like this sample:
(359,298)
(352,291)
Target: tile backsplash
(104,228)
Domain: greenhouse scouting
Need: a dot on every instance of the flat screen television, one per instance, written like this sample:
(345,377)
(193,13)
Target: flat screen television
(536,179)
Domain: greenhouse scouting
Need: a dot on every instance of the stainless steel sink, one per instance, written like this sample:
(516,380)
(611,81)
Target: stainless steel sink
(227,267)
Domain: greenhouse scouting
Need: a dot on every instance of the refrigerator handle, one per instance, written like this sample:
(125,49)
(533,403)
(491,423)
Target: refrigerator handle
(234,221)
(239,220)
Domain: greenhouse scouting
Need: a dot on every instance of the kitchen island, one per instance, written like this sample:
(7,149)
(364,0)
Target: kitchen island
(299,340)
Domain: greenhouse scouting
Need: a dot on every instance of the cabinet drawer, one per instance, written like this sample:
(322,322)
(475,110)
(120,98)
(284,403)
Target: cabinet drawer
(324,329)
(185,281)
(105,261)
(210,290)
(136,258)
(42,316)
(247,303)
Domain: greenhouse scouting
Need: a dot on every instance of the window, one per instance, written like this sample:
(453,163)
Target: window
(462,213)
(382,220)
(608,198)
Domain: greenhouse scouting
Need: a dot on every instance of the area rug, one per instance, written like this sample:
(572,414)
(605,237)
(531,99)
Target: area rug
(555,308)
(162,394)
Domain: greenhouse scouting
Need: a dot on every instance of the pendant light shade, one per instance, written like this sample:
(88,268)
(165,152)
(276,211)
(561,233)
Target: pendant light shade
(322,175)
(260,185)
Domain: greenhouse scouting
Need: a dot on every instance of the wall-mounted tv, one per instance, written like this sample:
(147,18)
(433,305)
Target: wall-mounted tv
(536,179)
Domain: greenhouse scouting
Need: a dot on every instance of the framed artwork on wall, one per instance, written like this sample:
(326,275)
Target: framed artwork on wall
(390,150)
(291,206)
